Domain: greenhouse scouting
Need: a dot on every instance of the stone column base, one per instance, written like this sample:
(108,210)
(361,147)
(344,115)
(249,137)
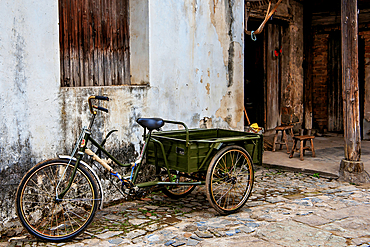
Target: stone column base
(353,172)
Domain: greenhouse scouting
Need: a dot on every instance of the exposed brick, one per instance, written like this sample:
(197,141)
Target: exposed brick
(320,74)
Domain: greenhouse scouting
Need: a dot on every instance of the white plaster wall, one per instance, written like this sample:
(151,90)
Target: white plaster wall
(29,84)
(189,59)
(139,42)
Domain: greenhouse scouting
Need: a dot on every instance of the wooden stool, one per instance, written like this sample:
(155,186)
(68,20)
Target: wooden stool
(284,139)
(303,138)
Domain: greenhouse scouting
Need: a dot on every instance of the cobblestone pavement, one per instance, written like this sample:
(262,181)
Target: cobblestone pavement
(285,209)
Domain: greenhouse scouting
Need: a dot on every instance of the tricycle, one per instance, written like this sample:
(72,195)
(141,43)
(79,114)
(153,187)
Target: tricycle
(58,198)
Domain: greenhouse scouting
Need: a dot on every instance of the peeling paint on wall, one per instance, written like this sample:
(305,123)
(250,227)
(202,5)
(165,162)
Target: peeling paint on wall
(206,123)
(232,104)
(226,112)
(208,88)
(220,13)
(126,104)
(230,65)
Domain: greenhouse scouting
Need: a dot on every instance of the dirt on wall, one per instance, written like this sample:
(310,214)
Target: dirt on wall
(231,105)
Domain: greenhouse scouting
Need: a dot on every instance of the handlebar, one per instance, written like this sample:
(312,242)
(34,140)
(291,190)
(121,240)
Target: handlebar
(91,106)
(102,98)
(100,108)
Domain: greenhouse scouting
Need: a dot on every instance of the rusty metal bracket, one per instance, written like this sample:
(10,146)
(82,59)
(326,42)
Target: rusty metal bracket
(267,17)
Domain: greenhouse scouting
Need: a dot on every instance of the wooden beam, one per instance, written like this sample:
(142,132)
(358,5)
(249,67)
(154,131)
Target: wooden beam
(333,18)
(308,65)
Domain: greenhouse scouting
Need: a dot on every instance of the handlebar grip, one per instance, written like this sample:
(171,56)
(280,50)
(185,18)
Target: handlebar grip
(102,98)
(91,106)
(100,108)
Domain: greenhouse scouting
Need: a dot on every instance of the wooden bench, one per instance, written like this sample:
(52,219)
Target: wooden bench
(284,137)
(302,147)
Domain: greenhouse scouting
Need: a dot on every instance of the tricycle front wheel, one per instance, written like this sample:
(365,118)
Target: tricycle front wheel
(43,214)
(229,179)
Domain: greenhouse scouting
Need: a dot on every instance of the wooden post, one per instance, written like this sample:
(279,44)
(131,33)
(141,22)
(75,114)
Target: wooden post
(351,168)
(308,64)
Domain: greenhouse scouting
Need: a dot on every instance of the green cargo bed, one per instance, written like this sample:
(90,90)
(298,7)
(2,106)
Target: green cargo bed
(192,150)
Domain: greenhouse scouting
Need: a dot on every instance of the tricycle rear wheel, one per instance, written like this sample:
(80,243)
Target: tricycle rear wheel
(177,191)
(229,179)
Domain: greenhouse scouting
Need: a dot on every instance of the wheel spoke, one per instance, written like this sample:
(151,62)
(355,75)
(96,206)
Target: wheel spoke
(225,194)
(46,192)
(36,202)
(72,220)
(52,181)
(66,213)
(51,218)
(224,161)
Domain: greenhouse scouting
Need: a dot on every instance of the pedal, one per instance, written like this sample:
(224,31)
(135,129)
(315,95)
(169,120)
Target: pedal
(129,189)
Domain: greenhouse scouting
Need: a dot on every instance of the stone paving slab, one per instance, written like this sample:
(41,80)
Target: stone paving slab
(312,220)
(285,209)
(108,234)
(290,233)
(351,227)
(239,241)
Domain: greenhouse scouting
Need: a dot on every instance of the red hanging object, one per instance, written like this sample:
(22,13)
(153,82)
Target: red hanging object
(278,52)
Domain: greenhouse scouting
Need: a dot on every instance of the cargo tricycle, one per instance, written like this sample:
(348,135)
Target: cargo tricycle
(57,198)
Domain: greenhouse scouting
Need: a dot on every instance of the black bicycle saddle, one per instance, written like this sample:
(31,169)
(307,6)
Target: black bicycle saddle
(150,123)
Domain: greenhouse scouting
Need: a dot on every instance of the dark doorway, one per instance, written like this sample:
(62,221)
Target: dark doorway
(254,79)
(335,97)
(262,74)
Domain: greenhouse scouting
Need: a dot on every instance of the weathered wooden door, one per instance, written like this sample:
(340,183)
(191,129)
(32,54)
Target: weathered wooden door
(94,42)
(273,76)
(335,98)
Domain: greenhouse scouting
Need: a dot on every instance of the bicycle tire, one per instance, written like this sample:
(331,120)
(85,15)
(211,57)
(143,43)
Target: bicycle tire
(47,218)
(229,179)
(178,191)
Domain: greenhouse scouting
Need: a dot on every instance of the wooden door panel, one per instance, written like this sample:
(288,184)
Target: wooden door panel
(94,42)
(273,77)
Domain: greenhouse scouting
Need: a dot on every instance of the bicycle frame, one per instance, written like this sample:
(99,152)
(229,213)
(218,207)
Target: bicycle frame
(135,166)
